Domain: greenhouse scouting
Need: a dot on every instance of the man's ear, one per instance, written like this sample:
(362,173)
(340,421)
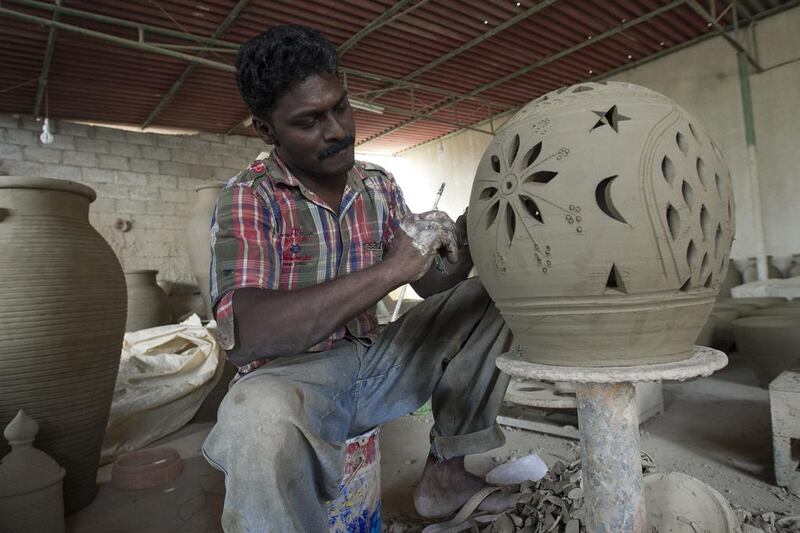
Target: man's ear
(265,131)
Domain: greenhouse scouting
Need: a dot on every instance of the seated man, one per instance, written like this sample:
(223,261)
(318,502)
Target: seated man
(305,243)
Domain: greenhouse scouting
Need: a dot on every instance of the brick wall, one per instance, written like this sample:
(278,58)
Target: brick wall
(147,178)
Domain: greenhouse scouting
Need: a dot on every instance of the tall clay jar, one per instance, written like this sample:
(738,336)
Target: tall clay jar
(62,318)
(148,305)
(198,239)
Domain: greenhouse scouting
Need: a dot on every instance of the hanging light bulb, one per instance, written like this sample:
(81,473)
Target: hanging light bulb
(46,137)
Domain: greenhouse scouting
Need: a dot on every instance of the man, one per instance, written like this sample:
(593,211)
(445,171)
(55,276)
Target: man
(305,243)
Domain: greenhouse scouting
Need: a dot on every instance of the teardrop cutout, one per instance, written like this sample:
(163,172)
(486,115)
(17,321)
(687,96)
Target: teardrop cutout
(531,207)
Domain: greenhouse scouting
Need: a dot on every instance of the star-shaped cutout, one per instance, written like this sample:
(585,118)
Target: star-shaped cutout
(609,118)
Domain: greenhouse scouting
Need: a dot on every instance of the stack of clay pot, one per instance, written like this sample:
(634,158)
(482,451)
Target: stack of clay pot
(600,222)
(770,338)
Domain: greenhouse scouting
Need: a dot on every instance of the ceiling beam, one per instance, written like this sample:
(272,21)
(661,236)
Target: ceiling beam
(232,16)
(734,42)
(467,46)
(141,28)
(372,26)
(481,38)
(48,57)
(128,43)
(533,66)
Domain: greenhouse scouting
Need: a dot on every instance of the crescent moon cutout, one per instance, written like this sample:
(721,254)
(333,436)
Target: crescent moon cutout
(603,196)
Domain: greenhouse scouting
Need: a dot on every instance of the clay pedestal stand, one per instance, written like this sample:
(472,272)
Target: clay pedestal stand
(609,427)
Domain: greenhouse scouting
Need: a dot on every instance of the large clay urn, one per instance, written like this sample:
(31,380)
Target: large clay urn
(148,305)
(198,239)
(62,318)
(600,222)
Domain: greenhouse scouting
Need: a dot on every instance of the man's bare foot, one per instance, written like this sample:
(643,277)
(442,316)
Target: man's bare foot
(445,487)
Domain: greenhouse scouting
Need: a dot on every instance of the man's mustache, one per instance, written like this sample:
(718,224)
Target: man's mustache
(337,147)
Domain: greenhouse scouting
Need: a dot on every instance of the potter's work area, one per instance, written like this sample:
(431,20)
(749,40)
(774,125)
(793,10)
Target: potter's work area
(400,266)
(696,435)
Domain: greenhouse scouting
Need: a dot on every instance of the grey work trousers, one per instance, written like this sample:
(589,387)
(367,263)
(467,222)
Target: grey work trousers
(281,430)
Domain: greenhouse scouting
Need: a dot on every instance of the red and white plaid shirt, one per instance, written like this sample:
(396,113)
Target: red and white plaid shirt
(269,231)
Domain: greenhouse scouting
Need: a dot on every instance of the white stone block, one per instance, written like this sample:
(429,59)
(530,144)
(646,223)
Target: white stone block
(20,168)
(42,155)
(130,206)
(98,175)
(92,145)
(171,167)
(114,162)
(125,149)
(81,159)
(10,151)
(63,172)
(144,165)
(132,178)
(159,154)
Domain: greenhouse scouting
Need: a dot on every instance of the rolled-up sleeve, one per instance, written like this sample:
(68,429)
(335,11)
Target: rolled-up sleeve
(245,250)
(397,209)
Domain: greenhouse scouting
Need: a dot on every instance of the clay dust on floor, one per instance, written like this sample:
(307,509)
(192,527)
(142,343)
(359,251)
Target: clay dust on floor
(716,429)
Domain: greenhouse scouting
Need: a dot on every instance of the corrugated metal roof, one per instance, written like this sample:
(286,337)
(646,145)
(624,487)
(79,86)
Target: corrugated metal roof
(557,42)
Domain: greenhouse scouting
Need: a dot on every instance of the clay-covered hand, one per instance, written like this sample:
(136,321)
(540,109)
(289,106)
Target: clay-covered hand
(417,243)
(461,236)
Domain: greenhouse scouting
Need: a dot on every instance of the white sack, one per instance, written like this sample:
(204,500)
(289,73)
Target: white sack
(164,375)
(785,288)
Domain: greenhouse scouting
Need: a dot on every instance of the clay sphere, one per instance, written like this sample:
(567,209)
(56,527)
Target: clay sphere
(600,222)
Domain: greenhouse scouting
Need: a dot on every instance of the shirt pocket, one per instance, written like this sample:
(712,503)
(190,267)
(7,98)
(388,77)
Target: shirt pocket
(370,245)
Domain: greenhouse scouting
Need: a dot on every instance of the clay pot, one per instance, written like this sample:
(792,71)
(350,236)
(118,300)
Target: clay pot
(198,239)
(770,343)
(794,271)
(773,272)
(148,306)
(750,270)
(757,302)
(30,483)
(62,317)
(722,338)
(783,264)
(706,335)
(732,279)
(600,222)
(777,310)
(676,502)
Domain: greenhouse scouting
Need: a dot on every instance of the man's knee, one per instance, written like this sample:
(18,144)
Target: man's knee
(256,416)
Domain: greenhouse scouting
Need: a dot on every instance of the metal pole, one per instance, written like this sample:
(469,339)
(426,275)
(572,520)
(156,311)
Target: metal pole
(613,486)
(752,160)
(48,57)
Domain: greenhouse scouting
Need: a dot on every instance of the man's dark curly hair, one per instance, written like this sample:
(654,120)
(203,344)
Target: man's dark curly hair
(275,60)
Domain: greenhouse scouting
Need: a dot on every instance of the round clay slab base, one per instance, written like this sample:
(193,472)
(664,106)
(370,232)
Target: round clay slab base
(704,362)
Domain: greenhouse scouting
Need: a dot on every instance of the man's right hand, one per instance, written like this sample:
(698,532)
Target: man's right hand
(418,242)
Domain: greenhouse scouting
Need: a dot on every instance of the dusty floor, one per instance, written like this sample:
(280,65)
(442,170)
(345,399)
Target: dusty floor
(716,429)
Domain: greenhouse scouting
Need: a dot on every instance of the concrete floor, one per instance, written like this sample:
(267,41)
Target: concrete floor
(716,429)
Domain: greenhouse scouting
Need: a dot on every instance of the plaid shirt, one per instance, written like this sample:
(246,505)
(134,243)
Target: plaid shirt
(269,231)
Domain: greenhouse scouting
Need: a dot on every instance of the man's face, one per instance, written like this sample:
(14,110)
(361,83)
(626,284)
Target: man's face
(312,127)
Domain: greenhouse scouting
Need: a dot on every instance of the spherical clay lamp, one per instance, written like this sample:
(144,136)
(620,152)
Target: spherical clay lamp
(601,222)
